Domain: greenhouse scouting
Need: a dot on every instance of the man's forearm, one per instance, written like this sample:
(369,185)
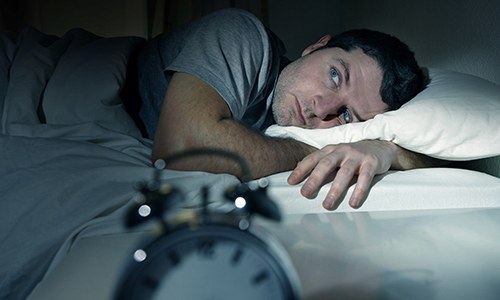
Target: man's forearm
(264,155)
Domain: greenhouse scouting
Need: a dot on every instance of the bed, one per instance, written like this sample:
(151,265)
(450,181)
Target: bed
(73,153)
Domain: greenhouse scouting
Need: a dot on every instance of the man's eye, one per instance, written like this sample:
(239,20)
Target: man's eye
(347,116)
(334,74)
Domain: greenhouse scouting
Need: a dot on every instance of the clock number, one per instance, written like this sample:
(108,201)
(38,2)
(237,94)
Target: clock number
(260,277)
(206,249)
(173,257)
(150,283)
(236,258)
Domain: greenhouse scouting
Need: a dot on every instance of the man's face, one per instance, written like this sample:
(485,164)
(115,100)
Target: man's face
(327,88)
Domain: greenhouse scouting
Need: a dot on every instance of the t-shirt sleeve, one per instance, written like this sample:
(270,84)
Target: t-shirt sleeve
(230,50)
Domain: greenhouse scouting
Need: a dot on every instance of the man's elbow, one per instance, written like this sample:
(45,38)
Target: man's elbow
(164,150)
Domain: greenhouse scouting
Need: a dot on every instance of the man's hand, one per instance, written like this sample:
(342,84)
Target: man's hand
(343,163)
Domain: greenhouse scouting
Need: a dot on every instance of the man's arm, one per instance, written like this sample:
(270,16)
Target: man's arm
(194,116)
(342,163)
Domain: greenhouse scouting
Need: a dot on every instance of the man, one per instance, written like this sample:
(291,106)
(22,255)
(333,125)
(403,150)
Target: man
(218,82)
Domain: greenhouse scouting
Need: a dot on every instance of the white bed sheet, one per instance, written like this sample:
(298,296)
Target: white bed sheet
(431,188)
(71,189)
(421,254)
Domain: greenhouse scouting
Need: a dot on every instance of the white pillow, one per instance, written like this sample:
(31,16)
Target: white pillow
(456,117)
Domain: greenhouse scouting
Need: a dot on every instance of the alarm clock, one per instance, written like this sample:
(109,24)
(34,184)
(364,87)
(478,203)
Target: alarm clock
(205,252)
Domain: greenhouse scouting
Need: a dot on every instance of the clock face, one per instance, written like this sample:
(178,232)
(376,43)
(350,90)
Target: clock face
(211,262)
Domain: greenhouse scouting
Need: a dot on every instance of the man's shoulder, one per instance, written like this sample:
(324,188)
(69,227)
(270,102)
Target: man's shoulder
(234,21)
(233,14)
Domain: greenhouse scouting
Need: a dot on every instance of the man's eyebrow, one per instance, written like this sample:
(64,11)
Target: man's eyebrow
(345,66)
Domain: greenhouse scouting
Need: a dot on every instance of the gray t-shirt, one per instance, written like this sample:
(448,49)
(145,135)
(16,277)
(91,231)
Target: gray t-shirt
(232,51)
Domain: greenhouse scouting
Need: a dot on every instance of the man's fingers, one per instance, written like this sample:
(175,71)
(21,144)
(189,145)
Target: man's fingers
(301,171)
(305,167)
(322,173)
(344,164)
(340,185)
(362,188)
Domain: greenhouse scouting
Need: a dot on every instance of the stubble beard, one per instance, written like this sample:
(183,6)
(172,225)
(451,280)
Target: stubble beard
(282,114)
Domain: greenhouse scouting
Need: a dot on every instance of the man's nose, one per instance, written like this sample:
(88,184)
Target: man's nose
(327,108)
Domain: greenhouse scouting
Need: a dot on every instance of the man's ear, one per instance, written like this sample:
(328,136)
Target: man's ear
(322,41)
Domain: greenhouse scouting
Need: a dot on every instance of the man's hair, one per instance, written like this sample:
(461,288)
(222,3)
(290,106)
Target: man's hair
(402,76)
